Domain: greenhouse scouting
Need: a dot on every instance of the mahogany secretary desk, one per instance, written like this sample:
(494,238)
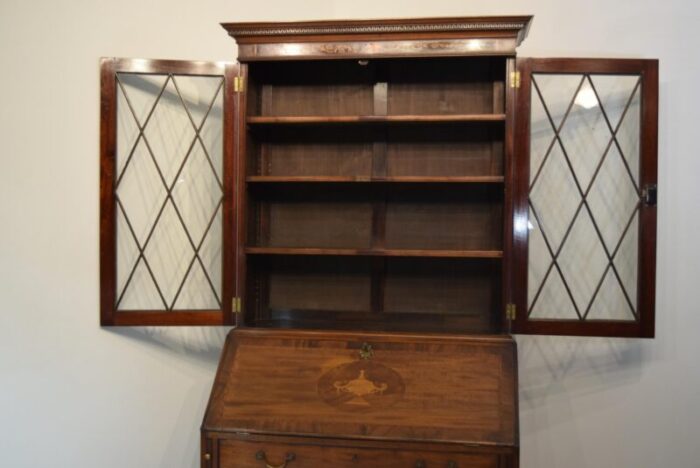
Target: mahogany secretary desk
(376,206)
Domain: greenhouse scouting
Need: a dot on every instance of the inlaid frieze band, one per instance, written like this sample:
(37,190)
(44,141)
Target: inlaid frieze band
(419,48)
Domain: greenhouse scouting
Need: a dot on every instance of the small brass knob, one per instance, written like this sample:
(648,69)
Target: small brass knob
(207,456)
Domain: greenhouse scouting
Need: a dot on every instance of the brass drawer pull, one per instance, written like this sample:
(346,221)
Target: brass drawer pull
(288,458)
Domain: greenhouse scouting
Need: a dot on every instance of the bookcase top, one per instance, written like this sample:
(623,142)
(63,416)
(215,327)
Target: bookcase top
(483,35)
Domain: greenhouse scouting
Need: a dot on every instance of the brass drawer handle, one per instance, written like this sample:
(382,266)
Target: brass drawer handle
(288,458)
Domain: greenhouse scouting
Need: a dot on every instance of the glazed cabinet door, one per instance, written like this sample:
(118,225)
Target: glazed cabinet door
(584,222)
(167,205)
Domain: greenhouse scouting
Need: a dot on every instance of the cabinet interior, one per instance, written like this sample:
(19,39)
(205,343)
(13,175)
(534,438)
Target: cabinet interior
(375,194)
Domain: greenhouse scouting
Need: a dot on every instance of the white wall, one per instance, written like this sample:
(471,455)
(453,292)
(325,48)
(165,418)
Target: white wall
(74,395)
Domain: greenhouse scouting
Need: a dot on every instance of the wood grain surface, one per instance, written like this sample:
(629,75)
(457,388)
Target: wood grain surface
(435,388)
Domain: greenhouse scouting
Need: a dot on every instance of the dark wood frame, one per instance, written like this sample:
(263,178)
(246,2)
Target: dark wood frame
(240,261)
(644,326)
(109,67)
(508,194)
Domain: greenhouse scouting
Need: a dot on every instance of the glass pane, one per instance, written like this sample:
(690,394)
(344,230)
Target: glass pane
(169,191)
(584,197)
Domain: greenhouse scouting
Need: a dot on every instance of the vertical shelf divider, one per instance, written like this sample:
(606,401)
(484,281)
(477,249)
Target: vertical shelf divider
(379,169)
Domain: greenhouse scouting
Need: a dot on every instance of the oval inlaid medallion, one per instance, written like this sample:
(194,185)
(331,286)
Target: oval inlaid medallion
(361,386)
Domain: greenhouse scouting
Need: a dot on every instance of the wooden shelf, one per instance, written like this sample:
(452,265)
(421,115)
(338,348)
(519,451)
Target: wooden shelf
(314,119)
(375,252)
(360,179)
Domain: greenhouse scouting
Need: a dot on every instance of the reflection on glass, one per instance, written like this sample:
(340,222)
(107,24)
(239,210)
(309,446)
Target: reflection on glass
(169,191)
(586,98)
(584,197)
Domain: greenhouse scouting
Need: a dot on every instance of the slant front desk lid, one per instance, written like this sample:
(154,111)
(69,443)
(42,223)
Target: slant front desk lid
(367,386)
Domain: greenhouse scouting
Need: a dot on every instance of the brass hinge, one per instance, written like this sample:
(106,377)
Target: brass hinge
(510,311)
(515,79)
(238,84)
(236,305)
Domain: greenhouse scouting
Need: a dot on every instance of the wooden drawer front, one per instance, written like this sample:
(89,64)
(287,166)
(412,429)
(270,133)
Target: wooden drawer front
(251,454)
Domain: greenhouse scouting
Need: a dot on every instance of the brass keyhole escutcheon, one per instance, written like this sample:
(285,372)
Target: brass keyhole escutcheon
(366,352)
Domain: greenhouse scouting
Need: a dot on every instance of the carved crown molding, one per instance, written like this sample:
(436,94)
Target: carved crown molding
(515,25)
(374,29)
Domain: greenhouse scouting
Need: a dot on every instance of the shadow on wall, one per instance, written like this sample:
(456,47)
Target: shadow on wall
(548,365)
(553,372)
(194,351)
(555,367)
(197,344)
